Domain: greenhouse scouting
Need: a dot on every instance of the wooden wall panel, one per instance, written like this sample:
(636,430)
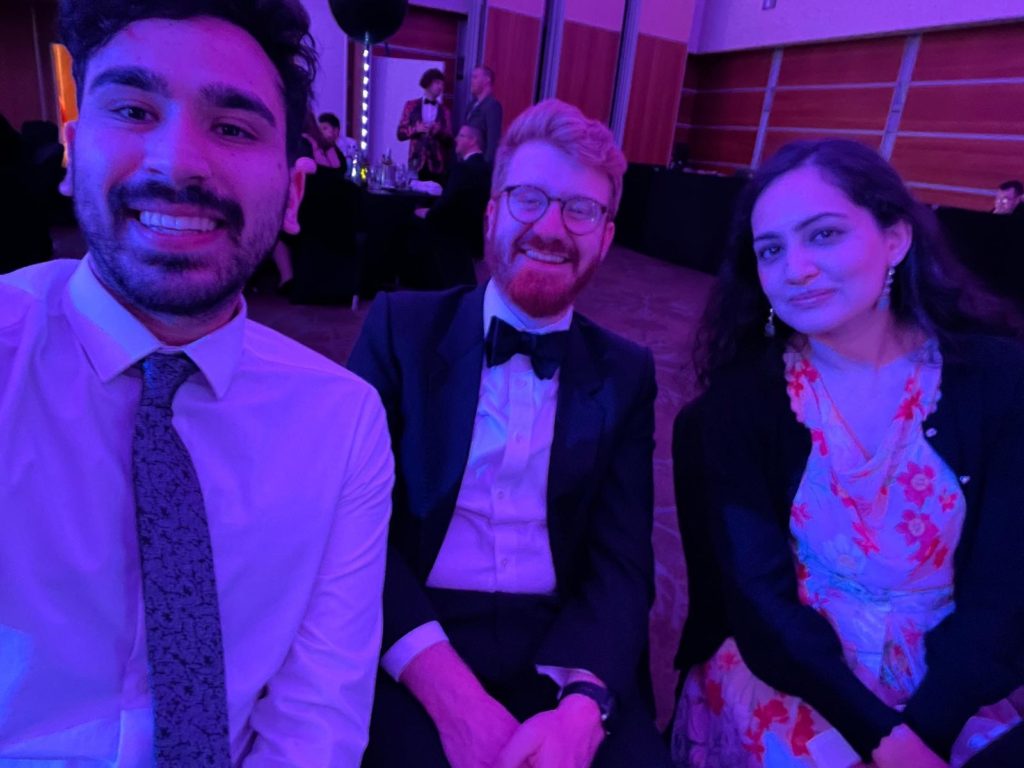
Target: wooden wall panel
(774,139)
(686,104)
(19,84)
(728,108)
(654,99)
(958,162)
(981,108)
(745,69)
(512,50)
(857,61)
(981,201)
(586,70)
(982,52)
(849,108)
(716,145)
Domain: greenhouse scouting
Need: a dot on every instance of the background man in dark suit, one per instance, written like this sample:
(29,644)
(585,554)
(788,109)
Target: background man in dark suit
(453,230)
(520,573)
(484,111)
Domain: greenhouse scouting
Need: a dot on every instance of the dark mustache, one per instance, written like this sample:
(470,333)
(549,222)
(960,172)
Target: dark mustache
(124,197)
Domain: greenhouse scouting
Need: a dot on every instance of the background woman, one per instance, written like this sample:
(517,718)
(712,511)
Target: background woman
(861,453)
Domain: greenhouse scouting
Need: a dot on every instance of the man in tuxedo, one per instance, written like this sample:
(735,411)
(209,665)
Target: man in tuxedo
(426,123)
(520,572)
(484,111)
(452,233)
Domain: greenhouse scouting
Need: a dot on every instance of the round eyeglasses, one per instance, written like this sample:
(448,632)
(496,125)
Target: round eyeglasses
(580,215)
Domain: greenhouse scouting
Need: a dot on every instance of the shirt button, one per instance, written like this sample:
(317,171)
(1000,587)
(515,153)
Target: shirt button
(520,383)
(931,432)
(504,562)
(518,437)
(500,494)
(964,479)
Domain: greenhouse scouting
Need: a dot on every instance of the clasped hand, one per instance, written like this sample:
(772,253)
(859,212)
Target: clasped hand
(487,736)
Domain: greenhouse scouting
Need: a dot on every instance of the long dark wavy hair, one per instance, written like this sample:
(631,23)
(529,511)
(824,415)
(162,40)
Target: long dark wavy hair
(930,290)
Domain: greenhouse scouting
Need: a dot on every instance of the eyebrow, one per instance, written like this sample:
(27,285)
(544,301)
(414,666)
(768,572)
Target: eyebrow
(229,97)
(217,94)
(133,77)
(802,224)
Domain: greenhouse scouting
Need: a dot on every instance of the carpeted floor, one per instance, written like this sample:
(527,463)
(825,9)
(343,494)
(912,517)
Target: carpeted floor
(648,301)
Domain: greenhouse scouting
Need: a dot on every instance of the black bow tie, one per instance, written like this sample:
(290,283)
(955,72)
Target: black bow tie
(430,101)
(545,350)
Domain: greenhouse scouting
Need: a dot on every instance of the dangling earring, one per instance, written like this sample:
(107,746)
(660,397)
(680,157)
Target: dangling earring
(769,327)
(883,300)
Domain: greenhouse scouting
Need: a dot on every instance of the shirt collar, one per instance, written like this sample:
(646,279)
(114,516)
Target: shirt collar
(115,340)
(476,152)
(497,305)
(439,98)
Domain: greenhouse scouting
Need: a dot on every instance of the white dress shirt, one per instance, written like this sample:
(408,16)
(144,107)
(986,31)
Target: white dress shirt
(497,540)
(293,458)
(428,112)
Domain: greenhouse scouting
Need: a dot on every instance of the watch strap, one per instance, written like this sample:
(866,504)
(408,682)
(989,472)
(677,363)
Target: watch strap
(604,698)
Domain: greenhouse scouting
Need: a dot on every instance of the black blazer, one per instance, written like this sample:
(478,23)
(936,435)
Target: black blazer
(424,354)
(459,213)
(486,116)
(755,452)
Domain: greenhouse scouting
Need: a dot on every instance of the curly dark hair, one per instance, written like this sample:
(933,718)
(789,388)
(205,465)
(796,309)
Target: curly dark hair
(281,27)
(430,76)
(930,290)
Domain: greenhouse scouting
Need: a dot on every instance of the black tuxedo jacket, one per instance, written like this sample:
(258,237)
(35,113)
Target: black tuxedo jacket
(486,116)
(459,212)
(424,354)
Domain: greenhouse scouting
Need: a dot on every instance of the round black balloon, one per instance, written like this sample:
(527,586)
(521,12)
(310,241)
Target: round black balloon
(379,19)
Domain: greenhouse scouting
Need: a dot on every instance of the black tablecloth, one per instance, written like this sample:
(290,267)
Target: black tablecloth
(676,216)
(385,222)
(991,247)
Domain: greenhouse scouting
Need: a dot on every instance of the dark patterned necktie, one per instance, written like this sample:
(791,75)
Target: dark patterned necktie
(545,350)
(183,636)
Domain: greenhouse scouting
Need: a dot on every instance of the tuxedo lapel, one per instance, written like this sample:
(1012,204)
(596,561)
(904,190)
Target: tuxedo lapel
(579,425)
(453,389)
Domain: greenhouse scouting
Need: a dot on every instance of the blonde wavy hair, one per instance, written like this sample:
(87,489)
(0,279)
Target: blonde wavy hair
(564,127)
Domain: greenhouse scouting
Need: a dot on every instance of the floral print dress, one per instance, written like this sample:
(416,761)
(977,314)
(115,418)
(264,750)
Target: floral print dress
(872,539)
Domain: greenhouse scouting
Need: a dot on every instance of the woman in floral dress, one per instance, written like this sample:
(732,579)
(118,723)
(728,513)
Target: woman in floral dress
(861,454)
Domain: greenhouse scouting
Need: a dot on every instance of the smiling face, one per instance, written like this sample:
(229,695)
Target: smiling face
(178,165)
(542,267)
(822,259)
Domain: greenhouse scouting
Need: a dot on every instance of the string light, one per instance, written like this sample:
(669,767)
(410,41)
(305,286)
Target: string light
(365,117)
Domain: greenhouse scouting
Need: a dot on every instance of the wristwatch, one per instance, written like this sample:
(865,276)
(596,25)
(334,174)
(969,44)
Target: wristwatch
(599,694)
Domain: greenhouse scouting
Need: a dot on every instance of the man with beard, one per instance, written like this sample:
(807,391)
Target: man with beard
(519,575)
(192,563)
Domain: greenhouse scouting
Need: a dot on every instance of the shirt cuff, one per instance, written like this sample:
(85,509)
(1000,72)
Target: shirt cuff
(565,675)
(410,645)
(830,748)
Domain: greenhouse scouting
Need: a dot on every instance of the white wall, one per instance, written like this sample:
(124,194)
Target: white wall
(727,25)
(329,90)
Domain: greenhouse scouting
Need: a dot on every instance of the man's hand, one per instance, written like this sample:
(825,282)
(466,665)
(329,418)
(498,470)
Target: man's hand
(903,748)
(565,737)
(473,726)
(421,212)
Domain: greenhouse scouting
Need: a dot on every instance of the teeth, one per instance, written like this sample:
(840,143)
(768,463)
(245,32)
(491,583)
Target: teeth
(176,223)
(547,258)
